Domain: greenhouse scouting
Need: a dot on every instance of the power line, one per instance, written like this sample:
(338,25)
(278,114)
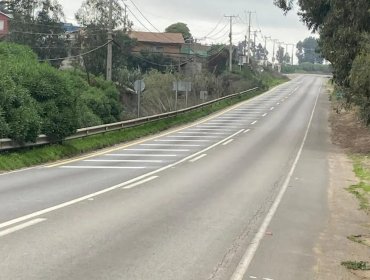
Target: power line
(215,28)
(75,56)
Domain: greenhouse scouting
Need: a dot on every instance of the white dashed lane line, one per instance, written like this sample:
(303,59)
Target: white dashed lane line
(198,158)
(264,115)
(253,122)
(140,182)
(228,142)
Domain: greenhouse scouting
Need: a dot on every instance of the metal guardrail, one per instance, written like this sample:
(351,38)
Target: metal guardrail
(9,144)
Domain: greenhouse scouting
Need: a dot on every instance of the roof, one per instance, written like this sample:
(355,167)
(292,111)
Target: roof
(163,38)
(70,28)
(4,14)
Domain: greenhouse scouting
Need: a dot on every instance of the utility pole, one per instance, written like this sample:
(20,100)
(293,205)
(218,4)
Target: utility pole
(231,43)
(110,42)
(249,37)
(273,52)
(254,41)
(293,53)
(265,50)
(125,21)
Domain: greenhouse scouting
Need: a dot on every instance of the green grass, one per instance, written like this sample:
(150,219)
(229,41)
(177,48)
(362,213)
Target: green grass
(356,265)
(362,189)
(40,155)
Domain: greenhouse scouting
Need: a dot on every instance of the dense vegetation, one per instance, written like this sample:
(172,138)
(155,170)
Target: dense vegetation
(36,98)
(344,29)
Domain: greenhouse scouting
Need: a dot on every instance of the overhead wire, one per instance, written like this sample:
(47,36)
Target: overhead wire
(76,56)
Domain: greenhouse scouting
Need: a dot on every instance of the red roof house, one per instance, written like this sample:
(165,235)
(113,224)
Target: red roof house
(166,43)
(4,24)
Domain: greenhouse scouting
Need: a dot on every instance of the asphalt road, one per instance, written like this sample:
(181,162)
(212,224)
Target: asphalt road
(240,195)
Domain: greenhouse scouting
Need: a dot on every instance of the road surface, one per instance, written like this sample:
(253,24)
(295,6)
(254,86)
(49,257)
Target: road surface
(239,195)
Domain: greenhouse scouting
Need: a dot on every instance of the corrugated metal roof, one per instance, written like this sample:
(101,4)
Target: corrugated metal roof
(153,37)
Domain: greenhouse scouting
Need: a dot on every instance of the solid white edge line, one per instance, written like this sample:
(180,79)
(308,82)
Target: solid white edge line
(252,248)
(140,182)
(21,226)
(198,158)
(74,201)
(246,131)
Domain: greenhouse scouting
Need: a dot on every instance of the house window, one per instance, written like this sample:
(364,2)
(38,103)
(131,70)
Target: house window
(2,25)
(158,49)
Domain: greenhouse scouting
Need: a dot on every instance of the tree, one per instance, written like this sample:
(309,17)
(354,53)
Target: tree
(261,53)
(180,27)
(308,51)
(344,28)
(37,24)
(93,15)
(280,55)
(218,58)
(286,59)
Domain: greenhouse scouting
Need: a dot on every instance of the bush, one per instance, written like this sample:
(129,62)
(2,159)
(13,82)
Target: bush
(37,98)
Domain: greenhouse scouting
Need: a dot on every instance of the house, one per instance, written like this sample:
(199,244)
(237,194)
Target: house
(4,24)
(169,44)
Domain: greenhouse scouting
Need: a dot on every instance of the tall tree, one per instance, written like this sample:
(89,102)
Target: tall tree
(37,23)
(344,28)
(180,27)
(93,16)
(308,51)
(280,54)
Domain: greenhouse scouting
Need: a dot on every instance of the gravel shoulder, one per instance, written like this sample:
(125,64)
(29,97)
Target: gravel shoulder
(349,137)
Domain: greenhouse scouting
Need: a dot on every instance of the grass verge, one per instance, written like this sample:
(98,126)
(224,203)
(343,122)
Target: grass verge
(356,265)
(361,167)
(40,155)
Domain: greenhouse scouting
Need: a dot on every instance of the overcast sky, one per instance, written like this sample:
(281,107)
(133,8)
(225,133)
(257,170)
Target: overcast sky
(203,16)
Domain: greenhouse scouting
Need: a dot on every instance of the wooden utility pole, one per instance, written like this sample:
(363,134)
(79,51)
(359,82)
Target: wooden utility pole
(110,42)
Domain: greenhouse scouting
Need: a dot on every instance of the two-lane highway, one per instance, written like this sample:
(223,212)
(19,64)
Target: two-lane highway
(186,204)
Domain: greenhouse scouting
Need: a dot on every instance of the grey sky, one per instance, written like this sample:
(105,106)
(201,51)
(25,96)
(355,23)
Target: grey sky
(202,17)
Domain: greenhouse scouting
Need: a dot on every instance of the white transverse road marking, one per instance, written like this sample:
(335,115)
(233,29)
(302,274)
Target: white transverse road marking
(207,133)
(192,136)
(21,226)
(252,248)
(140,182)
(158,150)
(169,144)
(124,160)
(139,155)
(77,200)
(101,167)
(198,158)
(183,140)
